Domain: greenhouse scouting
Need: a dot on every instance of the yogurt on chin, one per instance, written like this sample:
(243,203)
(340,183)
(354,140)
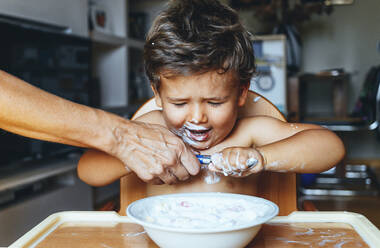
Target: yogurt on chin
(203,212)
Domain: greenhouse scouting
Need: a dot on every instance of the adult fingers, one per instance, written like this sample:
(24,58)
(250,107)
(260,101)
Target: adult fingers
(168,177)
(147,168)
(189,161)
(180,173)
(157,181)
(170,164)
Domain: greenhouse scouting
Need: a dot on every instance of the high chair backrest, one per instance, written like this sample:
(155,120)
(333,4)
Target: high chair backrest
(279,188)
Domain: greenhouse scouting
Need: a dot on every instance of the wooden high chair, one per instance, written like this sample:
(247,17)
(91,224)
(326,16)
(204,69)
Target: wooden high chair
(279,188)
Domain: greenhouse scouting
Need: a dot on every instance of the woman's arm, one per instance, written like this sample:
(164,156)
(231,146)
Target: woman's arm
(32,112)
(151,151)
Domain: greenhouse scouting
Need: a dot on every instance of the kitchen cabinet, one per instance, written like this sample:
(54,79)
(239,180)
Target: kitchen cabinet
(307,107)
(110,51)
(311,107)
(117,52)
(140,18)
(30,192)
(70,14)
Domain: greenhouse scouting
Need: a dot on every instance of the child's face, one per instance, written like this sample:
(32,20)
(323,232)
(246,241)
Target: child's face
(202,109)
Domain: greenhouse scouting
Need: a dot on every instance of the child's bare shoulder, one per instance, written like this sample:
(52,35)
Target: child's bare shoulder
(265,129)
(258,122)
(261,129)
(152,117)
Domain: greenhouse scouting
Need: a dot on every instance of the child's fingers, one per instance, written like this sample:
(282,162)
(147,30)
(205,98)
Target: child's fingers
(212,167)
(217,161)
(255,162)
(242,159)
(220,163)
(225,162)
(235,161)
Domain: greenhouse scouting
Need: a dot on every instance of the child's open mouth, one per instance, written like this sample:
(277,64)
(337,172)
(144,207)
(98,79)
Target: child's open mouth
(198,135)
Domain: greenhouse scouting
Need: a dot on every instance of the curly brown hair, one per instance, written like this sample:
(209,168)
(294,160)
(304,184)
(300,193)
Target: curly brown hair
(196,36)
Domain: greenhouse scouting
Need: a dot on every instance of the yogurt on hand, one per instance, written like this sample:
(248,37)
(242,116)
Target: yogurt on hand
(203,212)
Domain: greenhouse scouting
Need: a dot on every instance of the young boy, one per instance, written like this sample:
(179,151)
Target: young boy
(199,60)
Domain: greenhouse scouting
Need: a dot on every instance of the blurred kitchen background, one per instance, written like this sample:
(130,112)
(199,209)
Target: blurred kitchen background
(318,62)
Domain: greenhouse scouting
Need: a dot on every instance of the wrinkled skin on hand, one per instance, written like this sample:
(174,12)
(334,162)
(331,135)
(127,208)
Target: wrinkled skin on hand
(237,161)
(154,153)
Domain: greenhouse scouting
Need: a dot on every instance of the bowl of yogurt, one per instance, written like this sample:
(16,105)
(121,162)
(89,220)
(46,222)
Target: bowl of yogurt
(202,219)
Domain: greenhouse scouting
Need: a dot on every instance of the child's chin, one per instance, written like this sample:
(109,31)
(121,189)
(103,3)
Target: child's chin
(199,147)
(196,145)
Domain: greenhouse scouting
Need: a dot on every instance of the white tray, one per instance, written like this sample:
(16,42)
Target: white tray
(368,232)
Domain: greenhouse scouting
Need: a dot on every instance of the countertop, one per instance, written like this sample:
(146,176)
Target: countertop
(365,205)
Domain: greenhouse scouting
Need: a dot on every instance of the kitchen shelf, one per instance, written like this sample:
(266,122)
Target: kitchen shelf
(134,43)
(36,172)
(107,39)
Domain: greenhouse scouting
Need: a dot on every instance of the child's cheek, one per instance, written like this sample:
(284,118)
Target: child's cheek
(174,119)
(224,117)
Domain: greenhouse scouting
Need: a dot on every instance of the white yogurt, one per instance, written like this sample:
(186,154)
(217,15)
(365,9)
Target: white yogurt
(203,212)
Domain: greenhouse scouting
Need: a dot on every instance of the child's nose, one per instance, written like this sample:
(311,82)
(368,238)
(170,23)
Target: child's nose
(198,115)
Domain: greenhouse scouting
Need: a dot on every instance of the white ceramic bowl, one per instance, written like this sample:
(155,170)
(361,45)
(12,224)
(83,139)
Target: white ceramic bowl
(202,219)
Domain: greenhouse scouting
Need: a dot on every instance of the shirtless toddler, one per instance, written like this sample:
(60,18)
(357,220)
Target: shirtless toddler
(199,60)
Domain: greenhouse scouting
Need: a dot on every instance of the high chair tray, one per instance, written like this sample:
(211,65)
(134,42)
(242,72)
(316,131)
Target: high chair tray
(108,229)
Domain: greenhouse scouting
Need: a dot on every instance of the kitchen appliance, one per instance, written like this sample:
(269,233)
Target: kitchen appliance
(51,59)
(270,79)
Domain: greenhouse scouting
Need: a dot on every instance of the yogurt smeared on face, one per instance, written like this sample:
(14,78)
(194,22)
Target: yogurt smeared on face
(196,132)
(192,134)
(203,212)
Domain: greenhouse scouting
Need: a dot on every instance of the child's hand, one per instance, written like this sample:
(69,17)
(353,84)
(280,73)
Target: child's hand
(237,161)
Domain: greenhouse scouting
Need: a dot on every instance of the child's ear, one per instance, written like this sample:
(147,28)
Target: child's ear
(157,96)
(243,95)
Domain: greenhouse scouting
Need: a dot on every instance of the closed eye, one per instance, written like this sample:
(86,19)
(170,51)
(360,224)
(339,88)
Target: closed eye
(179,104)
(215,104)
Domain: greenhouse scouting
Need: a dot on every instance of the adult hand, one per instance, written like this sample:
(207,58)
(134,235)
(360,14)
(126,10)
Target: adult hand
(237,161)
(154,153)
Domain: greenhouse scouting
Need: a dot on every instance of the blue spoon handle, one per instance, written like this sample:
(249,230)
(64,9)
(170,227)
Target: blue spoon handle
(204,159)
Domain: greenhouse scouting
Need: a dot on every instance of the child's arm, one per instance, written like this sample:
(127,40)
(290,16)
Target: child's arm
(311,150)
(282,147)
